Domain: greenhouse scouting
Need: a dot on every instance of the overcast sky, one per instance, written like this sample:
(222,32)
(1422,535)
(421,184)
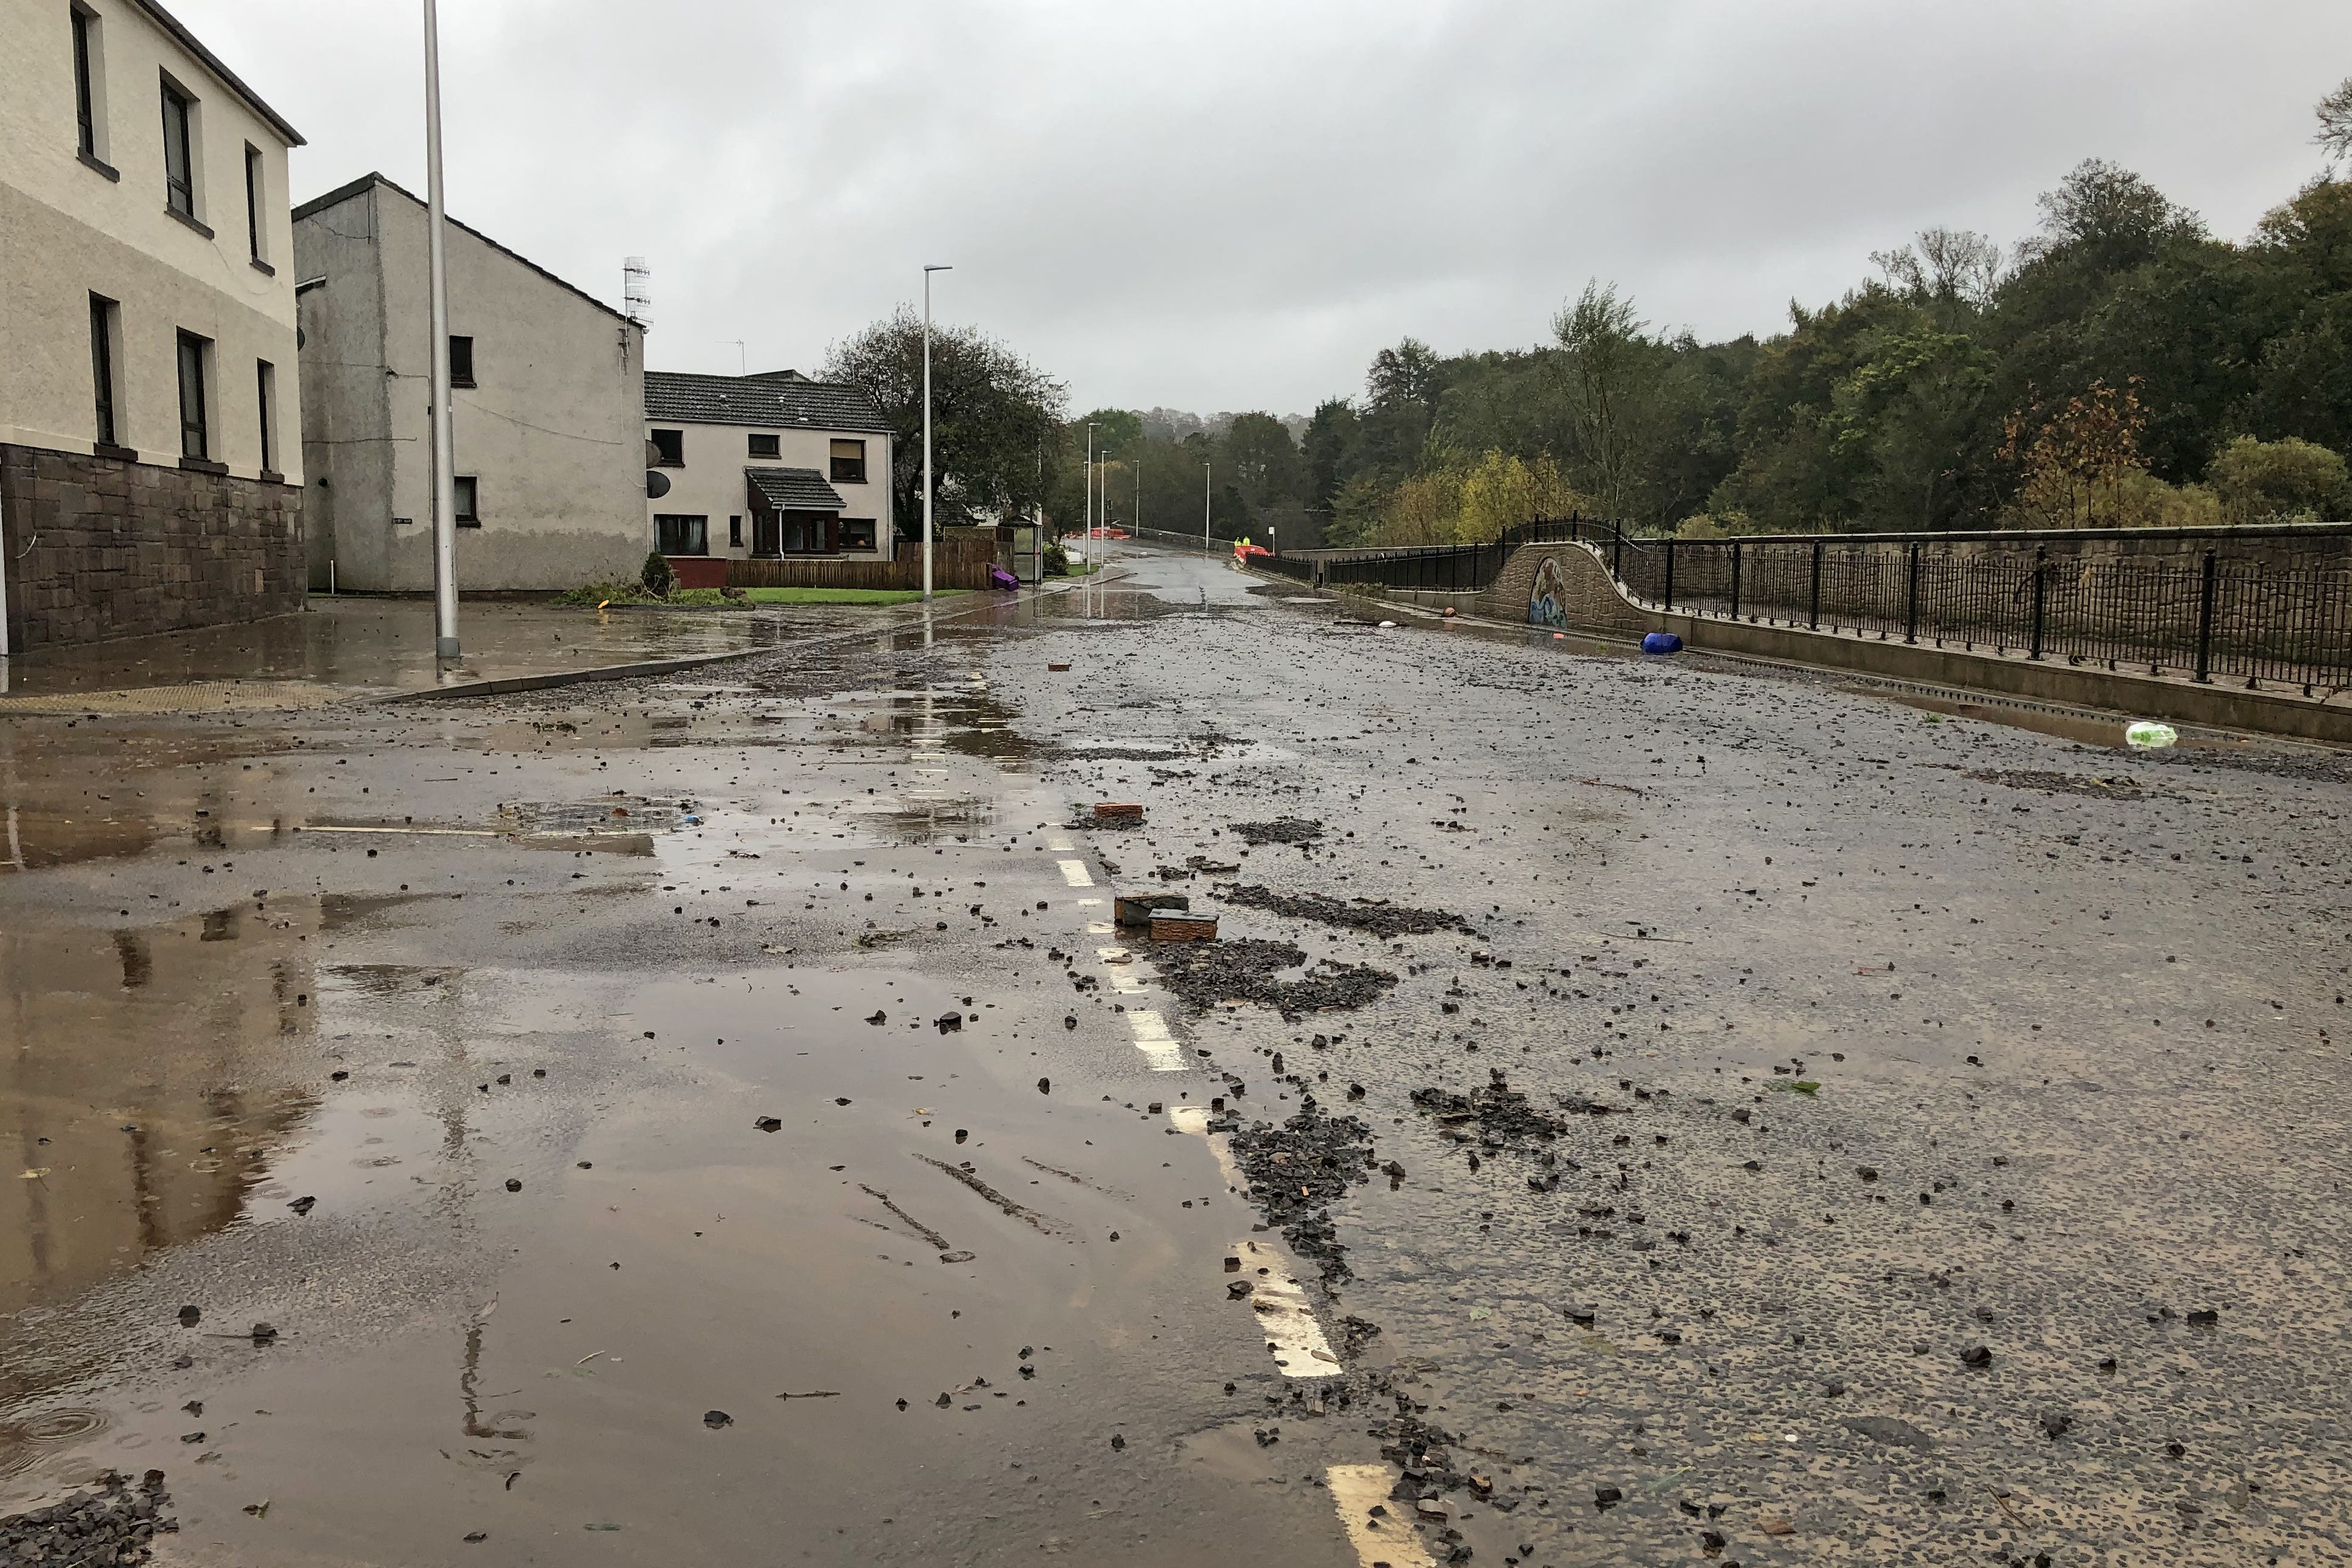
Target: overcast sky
(1214,206)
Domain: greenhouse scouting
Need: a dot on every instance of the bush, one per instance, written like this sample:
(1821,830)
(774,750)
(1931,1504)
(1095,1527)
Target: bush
(1058,559)
(656,577)
(2284,478)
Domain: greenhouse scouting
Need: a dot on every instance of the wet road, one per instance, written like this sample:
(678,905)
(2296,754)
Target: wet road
(714,1120)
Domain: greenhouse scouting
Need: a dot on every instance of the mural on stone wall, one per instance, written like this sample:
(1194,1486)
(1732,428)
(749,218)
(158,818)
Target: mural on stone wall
(1548,600)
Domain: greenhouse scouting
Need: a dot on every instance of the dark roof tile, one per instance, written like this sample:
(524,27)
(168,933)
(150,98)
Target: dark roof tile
(795,489)
(760,401)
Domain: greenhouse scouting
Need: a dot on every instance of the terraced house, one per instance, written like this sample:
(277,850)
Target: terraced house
(150,455)
(764,466)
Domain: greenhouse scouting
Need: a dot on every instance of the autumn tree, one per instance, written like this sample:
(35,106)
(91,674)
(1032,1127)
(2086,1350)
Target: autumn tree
(2074,459)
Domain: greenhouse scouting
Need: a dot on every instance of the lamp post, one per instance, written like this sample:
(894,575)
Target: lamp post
(1102,517)
(445,478)
(927,428)
(1086,540)
(1204,505)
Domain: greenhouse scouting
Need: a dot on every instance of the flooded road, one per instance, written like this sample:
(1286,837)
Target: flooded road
(1634,1112)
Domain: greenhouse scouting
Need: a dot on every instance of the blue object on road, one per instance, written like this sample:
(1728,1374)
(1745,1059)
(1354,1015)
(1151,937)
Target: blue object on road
(1662,642)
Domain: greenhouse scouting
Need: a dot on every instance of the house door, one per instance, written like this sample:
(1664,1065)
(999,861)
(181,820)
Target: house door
(767,534)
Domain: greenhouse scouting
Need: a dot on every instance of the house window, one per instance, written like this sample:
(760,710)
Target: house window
(766,447)
(735,528)
(669,448)
(677,536)
(253,178)
(196,429)
(849,462)
(179,153)
(461,361)
(101,364)
(467,515)
(857,533)
(85,46)
(265,389)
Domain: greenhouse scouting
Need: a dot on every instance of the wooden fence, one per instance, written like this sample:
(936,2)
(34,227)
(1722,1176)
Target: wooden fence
(959,560)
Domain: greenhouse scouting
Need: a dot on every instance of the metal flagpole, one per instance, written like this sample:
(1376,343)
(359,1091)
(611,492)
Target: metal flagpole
(445,477)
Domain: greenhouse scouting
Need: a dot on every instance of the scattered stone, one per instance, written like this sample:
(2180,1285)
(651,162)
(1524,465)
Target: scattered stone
(1379,917)
(715,1419)
(1496,1113)
(1297,1169)
(1202,974)
(1281,830)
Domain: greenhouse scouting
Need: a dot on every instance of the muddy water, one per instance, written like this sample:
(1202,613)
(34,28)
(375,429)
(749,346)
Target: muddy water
(333,1091)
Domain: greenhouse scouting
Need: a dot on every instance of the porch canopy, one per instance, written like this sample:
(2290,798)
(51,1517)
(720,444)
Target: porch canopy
(794,512)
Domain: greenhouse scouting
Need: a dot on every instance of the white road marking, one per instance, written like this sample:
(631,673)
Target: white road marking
(1288,1325)
(1195,1119)
(1074,872)
(1356,1491)
(1060,846)
(1152,1038)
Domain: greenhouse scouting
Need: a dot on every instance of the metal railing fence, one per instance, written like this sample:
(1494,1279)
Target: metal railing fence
(2264,605)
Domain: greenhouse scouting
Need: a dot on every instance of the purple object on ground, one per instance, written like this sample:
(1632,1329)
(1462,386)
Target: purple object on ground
(998,577)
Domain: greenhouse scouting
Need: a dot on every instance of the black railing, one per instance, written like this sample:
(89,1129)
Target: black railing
(2265,605)
(2279,615)
(1455,568)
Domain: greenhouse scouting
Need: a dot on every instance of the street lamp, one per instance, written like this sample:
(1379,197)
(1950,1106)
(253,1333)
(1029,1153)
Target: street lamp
(927,428)
(445,478)
(1205,505)
(1085,542)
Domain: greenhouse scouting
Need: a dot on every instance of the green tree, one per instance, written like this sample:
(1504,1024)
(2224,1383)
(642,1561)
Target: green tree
(1332,451)
(1401,397)
(1610,375)
(995,423)
(2257,480)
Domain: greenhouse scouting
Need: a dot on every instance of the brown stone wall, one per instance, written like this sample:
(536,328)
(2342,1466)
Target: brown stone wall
(1587,597)
(101,548)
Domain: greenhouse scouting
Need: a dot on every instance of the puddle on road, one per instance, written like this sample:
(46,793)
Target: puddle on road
(155,1070)
(942,1268)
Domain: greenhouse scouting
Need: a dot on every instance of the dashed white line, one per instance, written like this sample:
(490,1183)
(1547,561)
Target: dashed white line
(1074,872)
(1293,1334)
(1356,1491)
(1152,1038)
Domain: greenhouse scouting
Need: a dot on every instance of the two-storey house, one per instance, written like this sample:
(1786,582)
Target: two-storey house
(150,457)
(748,467)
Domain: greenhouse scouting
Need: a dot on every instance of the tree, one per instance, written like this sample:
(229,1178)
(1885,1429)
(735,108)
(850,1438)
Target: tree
(2335,112)
(995,418)
(1332,451)
(2111,211)
(1947,266)
(1261,460)
(1608,373)
(1401,392)
(2073,459)
(2290,478)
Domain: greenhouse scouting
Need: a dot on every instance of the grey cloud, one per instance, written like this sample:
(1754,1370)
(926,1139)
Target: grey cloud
(1227,205)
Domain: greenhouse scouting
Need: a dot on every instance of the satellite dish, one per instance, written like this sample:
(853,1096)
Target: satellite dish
(656,484)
